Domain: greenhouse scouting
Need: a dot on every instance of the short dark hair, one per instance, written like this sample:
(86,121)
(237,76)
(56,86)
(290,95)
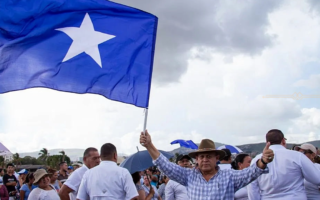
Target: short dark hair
(51,172)
(274,136)
(88,150)
(60,164)
(239,159)
(136,177)
(10,164)
(107,151)
(227,154)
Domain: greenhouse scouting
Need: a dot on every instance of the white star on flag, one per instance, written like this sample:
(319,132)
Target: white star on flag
(85,39)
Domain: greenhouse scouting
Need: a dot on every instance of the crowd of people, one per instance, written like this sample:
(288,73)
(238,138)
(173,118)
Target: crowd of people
(205,174)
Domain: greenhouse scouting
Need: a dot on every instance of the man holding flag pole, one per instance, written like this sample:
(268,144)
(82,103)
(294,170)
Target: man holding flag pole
(208,181)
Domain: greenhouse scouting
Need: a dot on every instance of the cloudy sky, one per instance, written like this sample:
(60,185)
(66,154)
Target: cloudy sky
(215,63)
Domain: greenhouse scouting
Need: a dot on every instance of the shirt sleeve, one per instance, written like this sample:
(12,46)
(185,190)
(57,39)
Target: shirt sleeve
(24,187)
(253,188)
(169,192)
(82,192)
(310,172)
(129,186)
(5,179)
(173,171)
(73,182)
(243,177)
(34,194)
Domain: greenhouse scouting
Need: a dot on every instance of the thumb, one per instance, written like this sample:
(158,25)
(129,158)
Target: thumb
(267,146)
(147,133)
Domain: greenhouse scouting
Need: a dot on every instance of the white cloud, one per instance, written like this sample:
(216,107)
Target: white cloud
(312,82)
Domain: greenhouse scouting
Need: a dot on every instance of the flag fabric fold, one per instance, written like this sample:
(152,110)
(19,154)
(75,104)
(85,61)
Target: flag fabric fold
(79,46)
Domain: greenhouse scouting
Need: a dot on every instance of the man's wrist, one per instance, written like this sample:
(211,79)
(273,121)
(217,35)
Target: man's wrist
(260,164)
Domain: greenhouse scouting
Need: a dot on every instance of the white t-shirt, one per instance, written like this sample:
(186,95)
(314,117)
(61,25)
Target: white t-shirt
(312,190)
(107,181)
(73,182)
(241,194)
(225,166)
(176,191)
(40,194)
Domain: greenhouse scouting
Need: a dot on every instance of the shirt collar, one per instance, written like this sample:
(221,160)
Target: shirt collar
(276,147)
(108,162)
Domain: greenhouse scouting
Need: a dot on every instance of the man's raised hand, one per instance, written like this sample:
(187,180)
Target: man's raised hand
(267,154)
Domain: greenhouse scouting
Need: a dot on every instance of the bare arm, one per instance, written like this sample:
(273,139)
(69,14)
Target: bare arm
(146,140)
(64,192)
(22,193)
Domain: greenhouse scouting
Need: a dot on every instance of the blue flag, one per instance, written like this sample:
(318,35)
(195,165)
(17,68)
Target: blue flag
(80,46)
(185,143)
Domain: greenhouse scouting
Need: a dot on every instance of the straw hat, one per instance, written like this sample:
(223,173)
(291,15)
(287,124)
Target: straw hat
(205,146)
(38,175)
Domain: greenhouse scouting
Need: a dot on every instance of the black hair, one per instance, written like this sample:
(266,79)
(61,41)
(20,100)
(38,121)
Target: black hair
(88,150)
(29,176)
(10,164)
(107,151)
(274,136)
(136,177)
(239,159)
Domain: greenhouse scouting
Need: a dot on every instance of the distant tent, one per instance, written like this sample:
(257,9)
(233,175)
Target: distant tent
(4,150)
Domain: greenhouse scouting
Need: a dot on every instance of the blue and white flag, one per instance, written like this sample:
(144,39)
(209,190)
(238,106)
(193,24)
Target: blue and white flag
(80,46)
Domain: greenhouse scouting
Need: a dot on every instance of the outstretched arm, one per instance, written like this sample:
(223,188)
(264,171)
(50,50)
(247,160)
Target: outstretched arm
(145,139)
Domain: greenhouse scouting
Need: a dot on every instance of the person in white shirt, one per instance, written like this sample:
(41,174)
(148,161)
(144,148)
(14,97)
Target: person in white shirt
(107,181)
(44,191)
(286,173)
(174,190)
(312,190)
(225,162)
(241,162)
(69,189)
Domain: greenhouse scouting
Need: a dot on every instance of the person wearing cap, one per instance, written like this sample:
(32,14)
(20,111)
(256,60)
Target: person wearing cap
(107,180)
(69,190)
(44,191)
(208,181)
(76,166)
(286,173)
(312,190)
(70,170)
(22,177)
(10,181)
(174,190)
(225,162)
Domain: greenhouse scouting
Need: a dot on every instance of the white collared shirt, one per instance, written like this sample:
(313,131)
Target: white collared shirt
(107,181)
(73,182)
(176,191)
(223,166)
(312,190)
(285,178)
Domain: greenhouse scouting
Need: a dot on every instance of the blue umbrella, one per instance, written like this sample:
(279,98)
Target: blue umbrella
(140,161)
(185,143)
(233,149)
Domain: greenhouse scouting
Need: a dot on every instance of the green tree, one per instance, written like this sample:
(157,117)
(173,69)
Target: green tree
(2,161)
(63,155)
(54,160)
(28,160)
(43,154)
(16,159)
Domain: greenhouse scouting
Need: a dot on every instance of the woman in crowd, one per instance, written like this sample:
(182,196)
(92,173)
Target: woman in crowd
(45,191)
(142,195)
(162,187)
(27,187)
(241,162)
(53,175)
(312,191)
(4,195)
(147,187)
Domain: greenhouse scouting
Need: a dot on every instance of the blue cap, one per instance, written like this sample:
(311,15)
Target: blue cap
(70,167)
(23,171)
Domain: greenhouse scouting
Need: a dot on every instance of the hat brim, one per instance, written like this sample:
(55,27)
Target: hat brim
(220,153)
(38,179)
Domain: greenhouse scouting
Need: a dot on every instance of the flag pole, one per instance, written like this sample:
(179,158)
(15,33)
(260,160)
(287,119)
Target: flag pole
(145,121)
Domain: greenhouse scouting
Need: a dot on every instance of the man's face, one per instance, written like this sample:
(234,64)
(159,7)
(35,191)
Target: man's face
(308,153)
(184,162)
(10,169)
(92,160)
(64,167)
(207,161)
(149,172)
